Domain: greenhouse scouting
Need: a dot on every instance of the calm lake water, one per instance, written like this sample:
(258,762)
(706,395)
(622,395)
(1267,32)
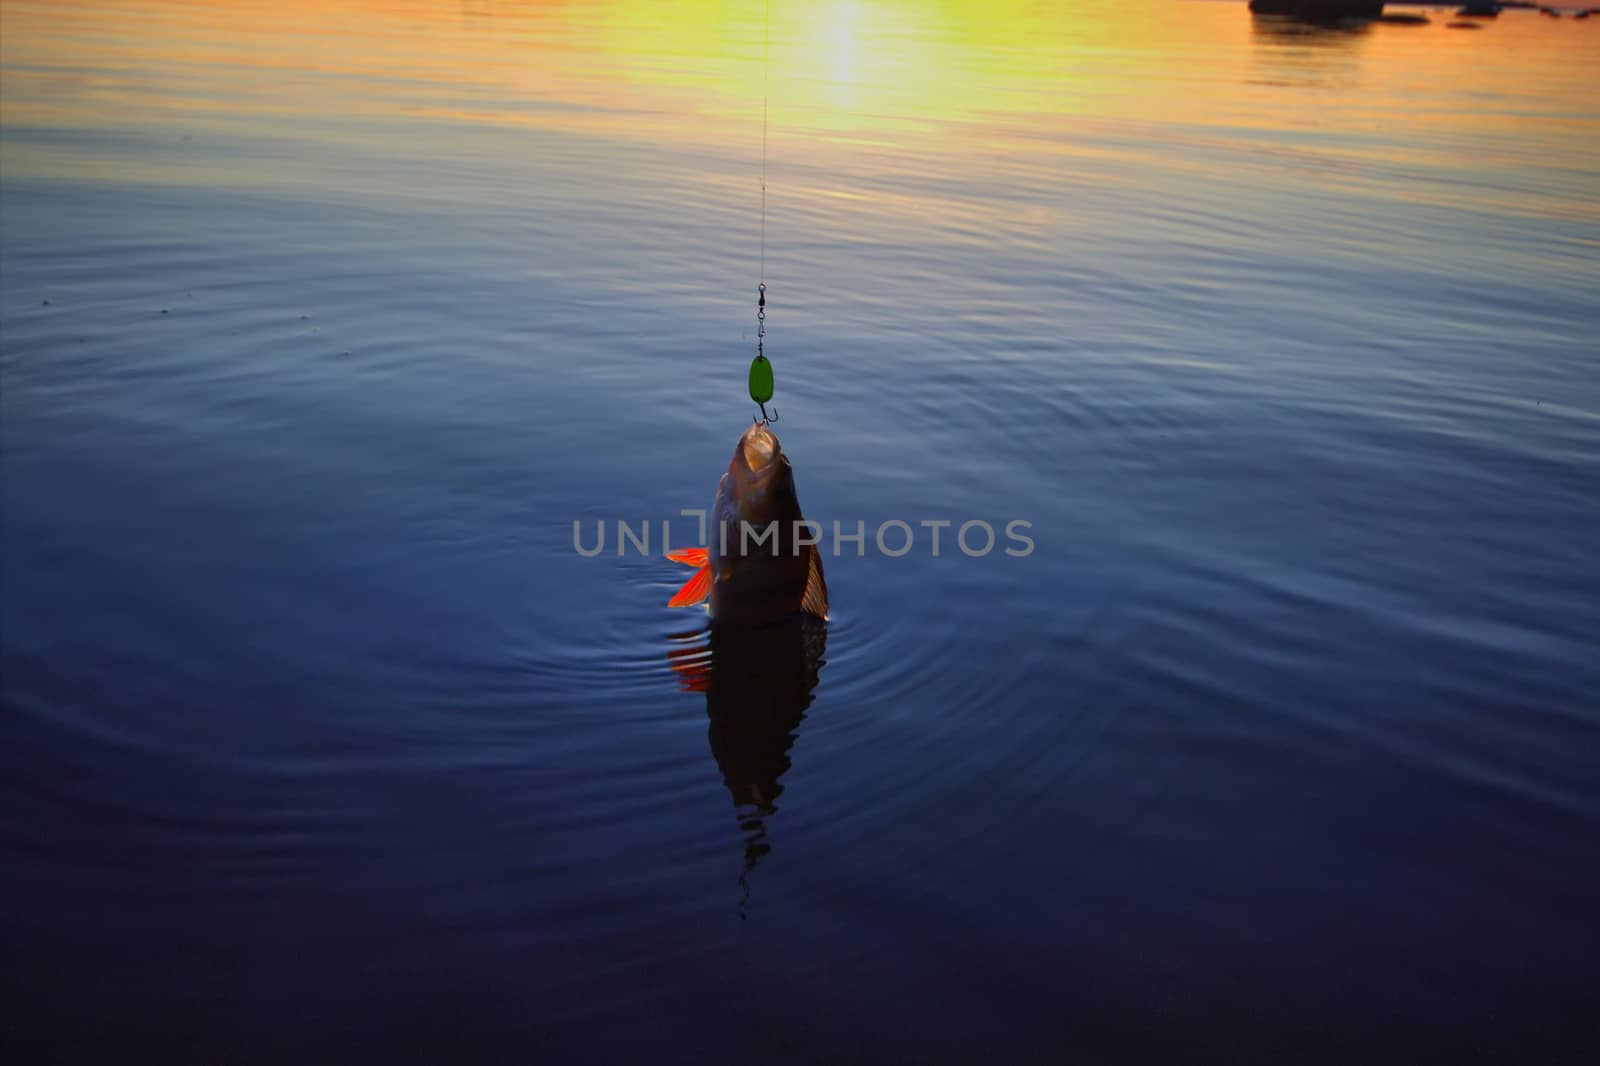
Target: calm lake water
(321,324)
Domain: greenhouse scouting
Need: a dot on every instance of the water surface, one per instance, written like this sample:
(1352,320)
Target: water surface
(320,324)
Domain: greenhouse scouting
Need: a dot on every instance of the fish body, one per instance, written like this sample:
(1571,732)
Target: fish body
(758,567)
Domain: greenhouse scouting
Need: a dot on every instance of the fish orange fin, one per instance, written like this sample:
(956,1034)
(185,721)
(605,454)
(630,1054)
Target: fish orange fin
(689,556)
(815,601)
(694,590)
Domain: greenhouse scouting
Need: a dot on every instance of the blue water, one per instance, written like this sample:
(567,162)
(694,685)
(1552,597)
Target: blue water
(321,743)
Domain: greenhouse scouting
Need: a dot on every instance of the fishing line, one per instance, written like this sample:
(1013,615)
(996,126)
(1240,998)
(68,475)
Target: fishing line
(766,92)
(761,383)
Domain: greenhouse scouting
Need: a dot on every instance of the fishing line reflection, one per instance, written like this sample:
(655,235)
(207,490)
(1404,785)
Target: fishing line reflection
(758,683)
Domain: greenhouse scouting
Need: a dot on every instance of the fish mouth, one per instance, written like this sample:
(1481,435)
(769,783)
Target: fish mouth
(759,447)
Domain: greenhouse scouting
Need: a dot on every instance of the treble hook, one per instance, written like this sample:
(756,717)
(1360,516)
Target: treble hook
(765,419)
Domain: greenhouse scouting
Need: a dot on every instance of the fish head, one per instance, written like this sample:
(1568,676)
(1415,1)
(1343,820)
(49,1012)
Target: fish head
(759,475)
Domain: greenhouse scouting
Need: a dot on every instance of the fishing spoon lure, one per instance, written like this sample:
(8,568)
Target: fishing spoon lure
(761,383)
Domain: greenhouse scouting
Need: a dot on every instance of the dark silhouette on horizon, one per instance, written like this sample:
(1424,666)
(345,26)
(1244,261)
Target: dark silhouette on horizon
(1319,10)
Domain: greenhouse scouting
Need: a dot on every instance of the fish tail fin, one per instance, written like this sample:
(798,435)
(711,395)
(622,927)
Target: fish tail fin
(690,556)
(696,589)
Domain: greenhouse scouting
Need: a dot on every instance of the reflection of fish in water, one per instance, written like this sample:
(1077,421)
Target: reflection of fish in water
(758,682)
(749,575)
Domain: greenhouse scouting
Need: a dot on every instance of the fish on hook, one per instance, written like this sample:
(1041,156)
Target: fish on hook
(757,568)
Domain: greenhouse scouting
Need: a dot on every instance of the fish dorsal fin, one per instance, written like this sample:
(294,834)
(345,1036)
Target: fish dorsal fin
(815,601)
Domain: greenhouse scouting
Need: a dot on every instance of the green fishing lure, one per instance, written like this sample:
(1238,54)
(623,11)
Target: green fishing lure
(761,383)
